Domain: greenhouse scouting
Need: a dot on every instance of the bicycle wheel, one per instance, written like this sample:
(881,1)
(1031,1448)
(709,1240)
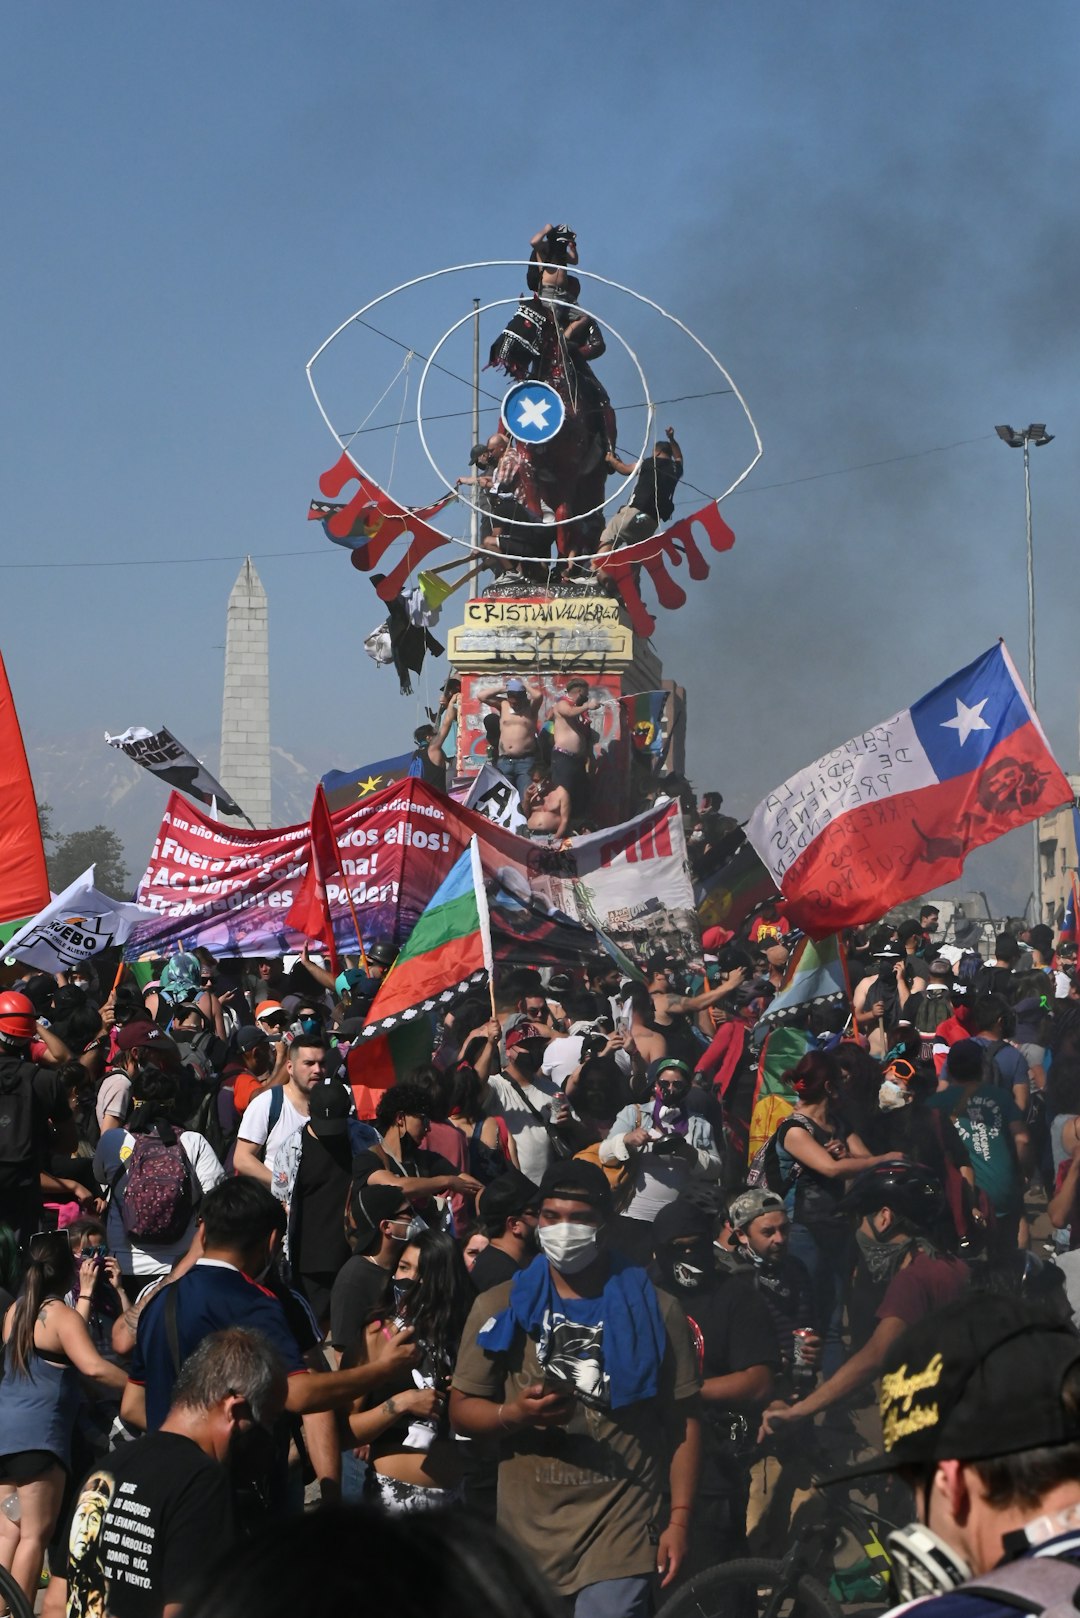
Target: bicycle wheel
(11,1594)
(751,1588)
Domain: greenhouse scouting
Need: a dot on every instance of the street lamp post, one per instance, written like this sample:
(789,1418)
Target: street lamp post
(1035,434)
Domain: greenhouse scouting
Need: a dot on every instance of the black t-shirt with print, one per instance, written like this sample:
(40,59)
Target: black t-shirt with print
(147,1517)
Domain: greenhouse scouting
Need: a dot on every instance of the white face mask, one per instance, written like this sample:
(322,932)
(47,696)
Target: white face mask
(569,1248)
(892,1096)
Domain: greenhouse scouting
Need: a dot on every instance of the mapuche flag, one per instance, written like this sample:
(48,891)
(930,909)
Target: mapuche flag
(448,951)
(894,812)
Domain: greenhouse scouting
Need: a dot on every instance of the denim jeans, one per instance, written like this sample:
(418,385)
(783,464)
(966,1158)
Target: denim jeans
(518,770)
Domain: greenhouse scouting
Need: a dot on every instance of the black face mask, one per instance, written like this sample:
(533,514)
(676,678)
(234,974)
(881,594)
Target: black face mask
(689,1268)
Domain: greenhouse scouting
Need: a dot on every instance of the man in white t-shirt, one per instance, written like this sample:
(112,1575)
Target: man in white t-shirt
(523,1097)
(274,1116)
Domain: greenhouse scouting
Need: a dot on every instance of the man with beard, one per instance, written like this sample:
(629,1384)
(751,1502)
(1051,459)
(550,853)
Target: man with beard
(585,1373)
(760,1230)
(900,1278)
(738,1356)
(146,1515)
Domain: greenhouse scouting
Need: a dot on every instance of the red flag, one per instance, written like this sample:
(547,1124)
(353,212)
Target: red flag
(309,912)
(24,882)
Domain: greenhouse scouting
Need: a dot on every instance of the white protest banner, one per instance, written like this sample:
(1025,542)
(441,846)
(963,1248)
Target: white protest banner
(74,927)
(496,798)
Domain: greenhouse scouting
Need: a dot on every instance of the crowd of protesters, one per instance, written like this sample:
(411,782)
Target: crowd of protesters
(549,1278)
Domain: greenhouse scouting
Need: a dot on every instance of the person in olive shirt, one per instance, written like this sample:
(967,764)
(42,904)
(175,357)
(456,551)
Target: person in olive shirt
(586,1373)
(508,1212)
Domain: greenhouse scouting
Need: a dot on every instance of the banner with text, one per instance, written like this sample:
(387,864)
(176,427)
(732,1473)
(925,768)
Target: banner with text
(230,890)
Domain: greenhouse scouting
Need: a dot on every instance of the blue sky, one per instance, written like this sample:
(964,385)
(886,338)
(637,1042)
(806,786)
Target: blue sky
(866,209)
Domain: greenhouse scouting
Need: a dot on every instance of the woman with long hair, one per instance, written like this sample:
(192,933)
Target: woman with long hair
(817,1153)
(415,1459)
(47,1347)
(491,1145)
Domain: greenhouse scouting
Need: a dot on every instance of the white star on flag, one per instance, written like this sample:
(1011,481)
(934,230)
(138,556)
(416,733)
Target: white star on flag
(967,719)
(533,412)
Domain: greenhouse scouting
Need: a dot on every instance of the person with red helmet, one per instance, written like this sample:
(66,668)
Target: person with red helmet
(32,1103)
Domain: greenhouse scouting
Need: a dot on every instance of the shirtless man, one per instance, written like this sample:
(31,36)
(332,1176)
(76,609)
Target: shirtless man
(517,708)
(546,805)
(572,750)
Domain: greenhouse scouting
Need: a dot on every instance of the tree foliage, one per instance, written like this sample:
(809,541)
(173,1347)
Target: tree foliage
(99,846)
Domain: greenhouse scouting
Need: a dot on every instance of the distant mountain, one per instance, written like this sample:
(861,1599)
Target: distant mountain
(87,782)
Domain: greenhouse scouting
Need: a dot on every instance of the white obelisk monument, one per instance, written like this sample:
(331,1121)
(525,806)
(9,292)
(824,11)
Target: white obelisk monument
(245,707)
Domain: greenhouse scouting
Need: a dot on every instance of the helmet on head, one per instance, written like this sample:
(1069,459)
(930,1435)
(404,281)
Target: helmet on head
(18,1019)
(907,1188)
(382,954)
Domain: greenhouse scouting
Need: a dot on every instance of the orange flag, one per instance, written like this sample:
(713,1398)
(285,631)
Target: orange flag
(24,882)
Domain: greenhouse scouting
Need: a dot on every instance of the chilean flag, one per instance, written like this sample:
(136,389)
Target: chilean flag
(894,812)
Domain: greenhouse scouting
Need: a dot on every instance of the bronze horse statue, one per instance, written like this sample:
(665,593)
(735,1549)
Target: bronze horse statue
(568,474)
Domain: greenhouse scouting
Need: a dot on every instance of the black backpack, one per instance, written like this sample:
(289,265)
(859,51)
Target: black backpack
(17,1106)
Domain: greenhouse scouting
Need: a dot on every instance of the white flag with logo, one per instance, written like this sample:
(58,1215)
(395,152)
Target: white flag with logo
(74,927)
(492,795)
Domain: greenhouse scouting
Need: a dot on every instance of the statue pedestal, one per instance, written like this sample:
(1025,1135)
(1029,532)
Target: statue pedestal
(545,640)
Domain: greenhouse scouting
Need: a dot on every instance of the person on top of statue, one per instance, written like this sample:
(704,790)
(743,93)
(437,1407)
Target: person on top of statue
(547,805)
(653,499)
(552,249)
(584,341)
(573,741)
(517,707)
(429,741)
(485,458)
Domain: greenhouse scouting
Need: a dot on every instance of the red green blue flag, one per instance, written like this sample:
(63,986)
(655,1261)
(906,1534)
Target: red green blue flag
(447,952)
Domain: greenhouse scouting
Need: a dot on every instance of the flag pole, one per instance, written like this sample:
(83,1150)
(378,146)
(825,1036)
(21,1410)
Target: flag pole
(485,919)
(349,897)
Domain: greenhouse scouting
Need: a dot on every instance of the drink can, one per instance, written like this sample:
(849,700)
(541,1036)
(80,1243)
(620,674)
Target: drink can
(799,1356)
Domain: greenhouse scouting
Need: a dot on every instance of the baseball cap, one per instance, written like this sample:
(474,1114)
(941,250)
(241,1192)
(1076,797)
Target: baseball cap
(887,950)
(750,1205)
(578,1180)
(515,685)
(146,1036)
(330,1106)
(477,453)
(248,1038)
(949,1385)
(267,1008)
(371,1204)
(510,1194)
